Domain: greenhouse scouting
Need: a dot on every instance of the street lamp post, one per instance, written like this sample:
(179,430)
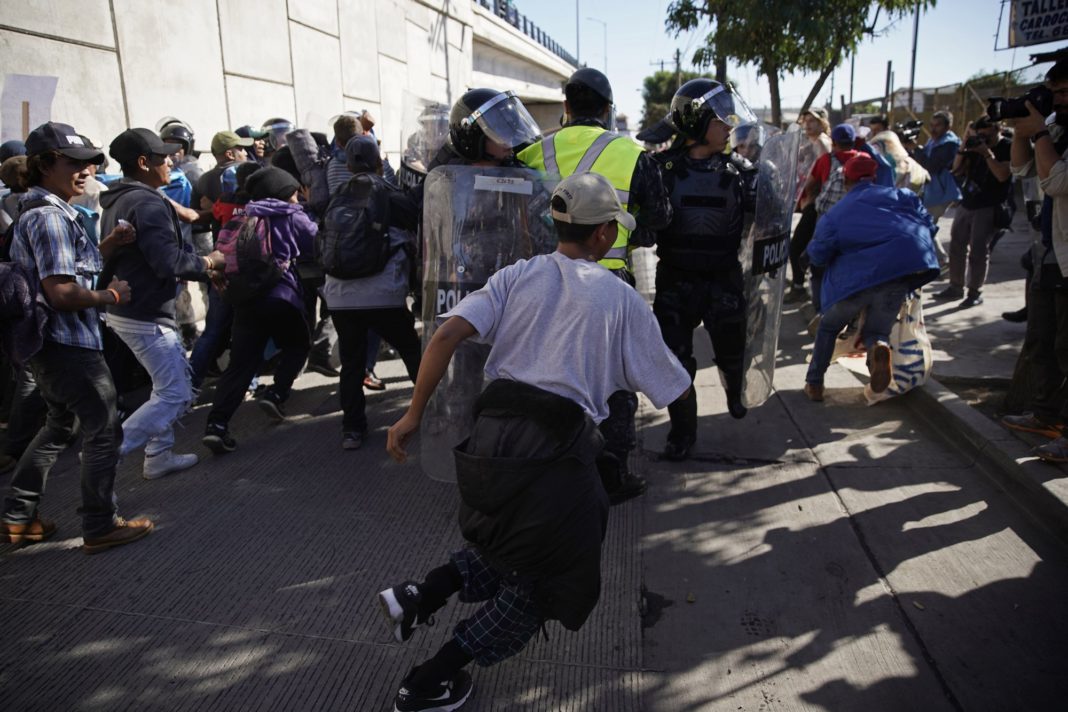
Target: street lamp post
(604,26)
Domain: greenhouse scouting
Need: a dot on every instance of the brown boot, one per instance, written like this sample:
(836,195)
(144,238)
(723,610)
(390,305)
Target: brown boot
(36,530)
(123,532)
(814,391)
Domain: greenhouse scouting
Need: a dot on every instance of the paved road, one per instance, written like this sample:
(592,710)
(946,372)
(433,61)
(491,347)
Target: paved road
(811,557)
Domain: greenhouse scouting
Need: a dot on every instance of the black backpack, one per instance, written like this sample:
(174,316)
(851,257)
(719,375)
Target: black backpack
(353,240)
(9,235)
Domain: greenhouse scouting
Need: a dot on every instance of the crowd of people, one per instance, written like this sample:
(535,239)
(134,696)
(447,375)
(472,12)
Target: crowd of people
(295,244)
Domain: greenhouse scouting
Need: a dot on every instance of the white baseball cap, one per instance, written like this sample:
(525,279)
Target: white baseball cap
(590,200)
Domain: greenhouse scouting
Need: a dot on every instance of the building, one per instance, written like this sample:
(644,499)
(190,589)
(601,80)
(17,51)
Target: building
(105,65)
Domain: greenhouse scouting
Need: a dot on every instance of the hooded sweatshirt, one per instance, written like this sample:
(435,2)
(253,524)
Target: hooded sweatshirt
(292,233)
(155,262)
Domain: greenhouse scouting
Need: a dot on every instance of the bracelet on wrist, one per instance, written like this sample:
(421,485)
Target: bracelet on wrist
(115,294)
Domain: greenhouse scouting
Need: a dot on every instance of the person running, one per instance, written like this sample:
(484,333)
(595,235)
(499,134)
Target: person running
(533,506)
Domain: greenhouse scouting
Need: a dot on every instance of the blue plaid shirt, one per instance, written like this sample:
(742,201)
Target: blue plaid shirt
(51,241)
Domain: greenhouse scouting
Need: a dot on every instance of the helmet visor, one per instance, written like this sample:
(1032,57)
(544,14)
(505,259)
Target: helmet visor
(728,107)
(506,121)
(276,133)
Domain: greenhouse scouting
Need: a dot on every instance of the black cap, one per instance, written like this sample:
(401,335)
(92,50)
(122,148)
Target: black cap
(362,152)
(271,182)
(593,80)
(131,143)
(62,139)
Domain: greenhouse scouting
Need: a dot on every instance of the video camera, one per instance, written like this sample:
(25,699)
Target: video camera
(908,130)
(1000,108)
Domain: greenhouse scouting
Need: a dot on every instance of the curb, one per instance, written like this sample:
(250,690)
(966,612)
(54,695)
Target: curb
(1037,487)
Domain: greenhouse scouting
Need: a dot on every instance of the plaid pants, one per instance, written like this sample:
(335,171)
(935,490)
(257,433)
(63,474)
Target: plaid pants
(503,626)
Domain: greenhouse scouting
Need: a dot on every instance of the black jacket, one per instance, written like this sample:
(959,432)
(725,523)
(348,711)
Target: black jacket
(532,500)
(153,263)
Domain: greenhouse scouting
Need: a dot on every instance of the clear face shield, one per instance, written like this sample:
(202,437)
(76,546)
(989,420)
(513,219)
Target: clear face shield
(729,107)
(504,120)
(748,139)
(276,133)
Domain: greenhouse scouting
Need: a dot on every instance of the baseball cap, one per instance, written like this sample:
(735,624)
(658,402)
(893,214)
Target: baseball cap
(859,167)
(590,200)
(131,143)
(843,133)
(363,150)
(62,139)
(225,140)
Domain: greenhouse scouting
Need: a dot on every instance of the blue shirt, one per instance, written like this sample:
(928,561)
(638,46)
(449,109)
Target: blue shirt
(51,241)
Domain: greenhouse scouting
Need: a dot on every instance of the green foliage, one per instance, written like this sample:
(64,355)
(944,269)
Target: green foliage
(658,89)
(780,37)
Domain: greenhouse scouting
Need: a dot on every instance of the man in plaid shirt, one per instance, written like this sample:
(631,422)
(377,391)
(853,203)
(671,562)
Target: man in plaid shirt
(50,243)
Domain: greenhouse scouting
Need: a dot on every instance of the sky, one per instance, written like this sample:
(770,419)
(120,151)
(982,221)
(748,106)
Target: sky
(956,40)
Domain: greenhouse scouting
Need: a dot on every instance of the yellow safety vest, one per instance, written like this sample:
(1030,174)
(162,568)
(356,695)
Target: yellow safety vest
(590,149)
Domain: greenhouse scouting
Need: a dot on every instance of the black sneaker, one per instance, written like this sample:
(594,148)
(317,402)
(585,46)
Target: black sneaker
(974,299)
(271,404)
(630,486)
(950,292)
(400,606)
(217,439)
(443,697)
(678,450)
(323,367)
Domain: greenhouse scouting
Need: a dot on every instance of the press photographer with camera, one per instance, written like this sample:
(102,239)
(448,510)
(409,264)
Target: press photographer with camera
(1040,148)
(982,166)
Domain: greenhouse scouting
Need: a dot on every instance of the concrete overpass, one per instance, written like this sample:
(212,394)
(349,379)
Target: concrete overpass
(104,65)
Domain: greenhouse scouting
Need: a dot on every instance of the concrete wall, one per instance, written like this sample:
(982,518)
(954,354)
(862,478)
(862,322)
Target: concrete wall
(104,65)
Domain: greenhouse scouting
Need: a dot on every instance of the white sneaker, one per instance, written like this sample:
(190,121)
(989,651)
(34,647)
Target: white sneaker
(167,462)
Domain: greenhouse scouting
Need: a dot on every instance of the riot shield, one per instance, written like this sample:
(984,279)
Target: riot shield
(763,256)
(424,129)
(476,220)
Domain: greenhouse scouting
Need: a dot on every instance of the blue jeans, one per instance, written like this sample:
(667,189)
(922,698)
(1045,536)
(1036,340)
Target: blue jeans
(76,384)
(216,330)
(883,302)
(163,356)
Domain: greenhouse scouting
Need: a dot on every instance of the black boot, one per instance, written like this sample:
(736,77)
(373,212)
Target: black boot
(683,434)
(733,386)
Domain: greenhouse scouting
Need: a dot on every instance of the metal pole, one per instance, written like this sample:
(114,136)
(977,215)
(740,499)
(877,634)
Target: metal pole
(578,54)
(605,26)
(912,72)
(887,108)
(852,66)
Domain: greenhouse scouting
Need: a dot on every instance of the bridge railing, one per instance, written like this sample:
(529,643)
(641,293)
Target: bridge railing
(506,10)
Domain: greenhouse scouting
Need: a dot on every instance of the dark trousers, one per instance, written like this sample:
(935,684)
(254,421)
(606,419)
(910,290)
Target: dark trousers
(211,344)
(806,228)
(323,334)
(397,327)
(254,325)
(28,411)
(683,302)
(1046,341)
(76,385)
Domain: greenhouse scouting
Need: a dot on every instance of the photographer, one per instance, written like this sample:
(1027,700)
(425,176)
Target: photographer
(938,156)
(983,167)
(1041,149)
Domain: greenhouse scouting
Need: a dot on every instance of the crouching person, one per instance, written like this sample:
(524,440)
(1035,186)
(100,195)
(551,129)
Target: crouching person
(876,245)
(533,507)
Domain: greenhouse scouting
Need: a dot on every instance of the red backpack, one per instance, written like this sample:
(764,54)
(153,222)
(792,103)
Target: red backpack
(251,268)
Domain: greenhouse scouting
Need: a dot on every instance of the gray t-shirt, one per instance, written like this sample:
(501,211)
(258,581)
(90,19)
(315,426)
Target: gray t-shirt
(572,328)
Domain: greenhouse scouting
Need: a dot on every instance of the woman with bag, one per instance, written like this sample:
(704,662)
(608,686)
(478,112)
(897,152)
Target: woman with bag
(876,246)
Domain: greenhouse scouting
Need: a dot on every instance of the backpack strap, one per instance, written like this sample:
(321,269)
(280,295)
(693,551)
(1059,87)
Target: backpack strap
(9,236)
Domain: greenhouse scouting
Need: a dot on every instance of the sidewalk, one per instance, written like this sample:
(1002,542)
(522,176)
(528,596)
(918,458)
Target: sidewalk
(975,352)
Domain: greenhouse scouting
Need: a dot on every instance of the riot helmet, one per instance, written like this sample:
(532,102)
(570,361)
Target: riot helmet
(276,129)
(589,95)
(177,132)
(589,79)
(482,114)
(167,121)
(698,101)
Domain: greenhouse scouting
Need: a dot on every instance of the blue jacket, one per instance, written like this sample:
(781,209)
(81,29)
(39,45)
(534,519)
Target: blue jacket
(873,235)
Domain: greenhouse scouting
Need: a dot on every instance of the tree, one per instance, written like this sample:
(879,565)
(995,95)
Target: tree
(658,89)
(780,37)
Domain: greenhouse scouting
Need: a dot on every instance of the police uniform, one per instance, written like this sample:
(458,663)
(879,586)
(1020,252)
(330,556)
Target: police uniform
(585,146)
(698,277)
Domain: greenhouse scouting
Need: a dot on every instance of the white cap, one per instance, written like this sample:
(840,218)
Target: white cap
(591,200)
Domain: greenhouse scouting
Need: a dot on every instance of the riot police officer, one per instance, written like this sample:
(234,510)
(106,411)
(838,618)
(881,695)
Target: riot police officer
(698,277)
(587,144)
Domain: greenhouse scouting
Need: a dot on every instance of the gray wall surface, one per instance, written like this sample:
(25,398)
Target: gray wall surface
(105,65)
